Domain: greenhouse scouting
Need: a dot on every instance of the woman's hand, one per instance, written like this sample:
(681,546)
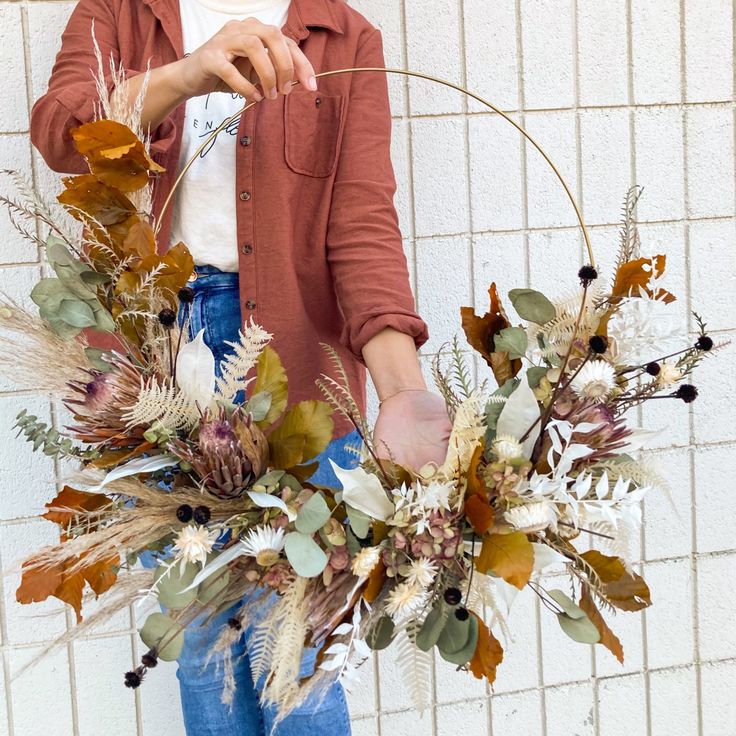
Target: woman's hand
(415,426)
(242,54)
(239,56)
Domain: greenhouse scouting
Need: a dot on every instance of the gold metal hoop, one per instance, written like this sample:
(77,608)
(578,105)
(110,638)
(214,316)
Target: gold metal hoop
(407,73)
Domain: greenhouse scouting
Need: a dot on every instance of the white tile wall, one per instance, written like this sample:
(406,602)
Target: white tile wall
(617,91)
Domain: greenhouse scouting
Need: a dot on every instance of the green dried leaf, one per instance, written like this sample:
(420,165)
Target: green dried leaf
(76,313)
(313,515)
(511,340)
(162,633)
(381,634)
(305,555)
(532,306)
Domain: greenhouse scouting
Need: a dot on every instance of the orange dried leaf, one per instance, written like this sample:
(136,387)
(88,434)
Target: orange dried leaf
(633,276)
(69,502)
(475,484)
(479,513)
(480,332)
(108,206)
(115,155)
(488,653)
(608,639)
(510,556)
(375,582)
(622,589)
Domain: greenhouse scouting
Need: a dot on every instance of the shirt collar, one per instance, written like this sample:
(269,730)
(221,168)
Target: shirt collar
(302,15)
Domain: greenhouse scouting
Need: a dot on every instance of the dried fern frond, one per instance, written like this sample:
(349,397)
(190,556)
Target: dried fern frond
(339,394)
(629,242)
(164,405)
(415,666)
(444,384)
(237,364)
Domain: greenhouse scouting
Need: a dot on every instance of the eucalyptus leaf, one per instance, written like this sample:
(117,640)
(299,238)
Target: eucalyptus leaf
(164,634)
(511,340)
(455,633)
(94,278)
(574,621)
(381,634)
(313,515)
(532,305)
(360,523)
(305,555)
(432,626)
(171,585)
(96,359)
(258,405)
(465,653)
(268,481)
(212,587)
(76,313)
(535,374)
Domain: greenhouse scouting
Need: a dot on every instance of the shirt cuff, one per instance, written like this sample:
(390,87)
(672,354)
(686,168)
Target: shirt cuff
(359,330)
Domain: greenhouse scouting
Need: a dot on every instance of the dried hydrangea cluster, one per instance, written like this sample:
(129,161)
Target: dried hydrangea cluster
(209,466)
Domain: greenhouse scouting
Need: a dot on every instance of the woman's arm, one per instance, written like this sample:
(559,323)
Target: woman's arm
(364,249)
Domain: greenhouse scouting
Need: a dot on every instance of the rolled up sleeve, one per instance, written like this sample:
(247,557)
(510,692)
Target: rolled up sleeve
(72,95)
(364,245)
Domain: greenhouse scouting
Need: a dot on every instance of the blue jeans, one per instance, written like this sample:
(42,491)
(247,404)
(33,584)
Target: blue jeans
(216,309)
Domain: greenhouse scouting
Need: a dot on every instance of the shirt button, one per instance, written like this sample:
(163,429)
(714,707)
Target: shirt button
(245,140)
(245,196)
(247,249)
(250,304)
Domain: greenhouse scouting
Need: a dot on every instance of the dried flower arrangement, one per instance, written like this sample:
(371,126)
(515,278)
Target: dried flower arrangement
(176,461)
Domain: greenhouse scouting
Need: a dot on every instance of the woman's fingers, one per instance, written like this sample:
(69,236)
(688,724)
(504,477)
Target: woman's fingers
(229,74)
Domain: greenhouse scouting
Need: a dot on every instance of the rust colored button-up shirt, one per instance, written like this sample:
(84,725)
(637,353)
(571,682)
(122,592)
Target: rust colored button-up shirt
(320,250)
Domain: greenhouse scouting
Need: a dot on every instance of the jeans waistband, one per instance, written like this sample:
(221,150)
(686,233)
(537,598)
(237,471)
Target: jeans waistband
(205,277)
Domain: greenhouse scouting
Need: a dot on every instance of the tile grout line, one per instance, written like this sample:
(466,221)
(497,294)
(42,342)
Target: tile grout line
(633,179)
(583,258)
(52,407)
(691,418)
(527,276)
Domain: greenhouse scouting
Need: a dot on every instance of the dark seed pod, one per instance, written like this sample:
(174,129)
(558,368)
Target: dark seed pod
(167,317)
(186,295)
(653,369)
(687,392)
(234,623)
(133,679)
(184,513)
(201,514)
(150,658)
(462,614)
(704,343)
(598,344)
(453,596)
(587,274)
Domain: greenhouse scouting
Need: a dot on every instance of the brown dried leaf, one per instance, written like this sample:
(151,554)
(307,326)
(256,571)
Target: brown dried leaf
(608,639)
(479,513)
(635,275)
(488,653)
(622,589)
(510,556)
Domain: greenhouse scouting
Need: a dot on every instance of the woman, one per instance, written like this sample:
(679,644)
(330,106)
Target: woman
(289,216)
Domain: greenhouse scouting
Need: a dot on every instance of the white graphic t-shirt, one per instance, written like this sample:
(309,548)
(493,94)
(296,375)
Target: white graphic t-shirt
(204,207)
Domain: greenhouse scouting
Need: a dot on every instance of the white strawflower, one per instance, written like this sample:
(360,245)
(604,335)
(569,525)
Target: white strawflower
(265,544)
(421,572)
(596,380)
(668,375)
(436,495)
(404,600)
(507,447)
(194,543)
(365,561)
(532,517)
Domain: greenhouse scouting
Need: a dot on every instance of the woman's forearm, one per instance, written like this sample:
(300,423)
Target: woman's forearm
(164,93)
(391,359)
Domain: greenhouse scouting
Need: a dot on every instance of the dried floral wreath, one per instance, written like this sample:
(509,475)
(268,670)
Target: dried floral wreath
(542,472)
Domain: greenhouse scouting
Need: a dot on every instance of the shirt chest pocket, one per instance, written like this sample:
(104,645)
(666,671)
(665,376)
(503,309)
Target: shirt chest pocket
(313,123)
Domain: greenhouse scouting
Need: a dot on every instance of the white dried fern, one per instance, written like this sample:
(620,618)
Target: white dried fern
(416,668)
(164,405)
(236,365)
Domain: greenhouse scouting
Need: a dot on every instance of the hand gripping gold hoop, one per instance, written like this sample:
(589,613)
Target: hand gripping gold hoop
(406,73)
